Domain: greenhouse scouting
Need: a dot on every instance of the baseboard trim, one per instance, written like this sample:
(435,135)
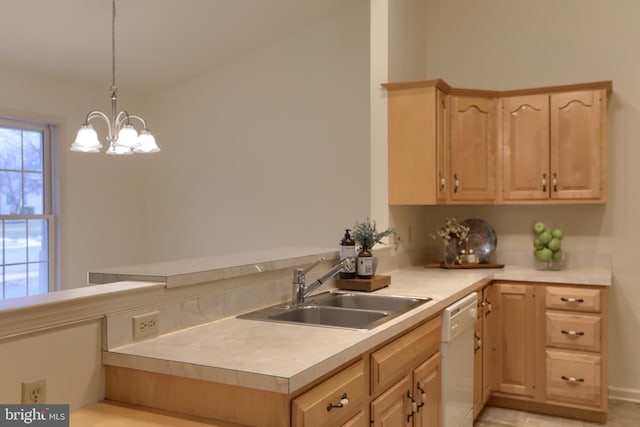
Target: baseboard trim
(624,394)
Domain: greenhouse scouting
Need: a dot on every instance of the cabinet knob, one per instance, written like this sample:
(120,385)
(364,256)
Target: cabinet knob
(344,401)
(575,333)
(572,379)
(442,181)
(544,182)
(576,300)
(555,182)
(456,183)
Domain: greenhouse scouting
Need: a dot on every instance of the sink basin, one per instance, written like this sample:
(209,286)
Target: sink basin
(349,310)
(330,316)
(367,301)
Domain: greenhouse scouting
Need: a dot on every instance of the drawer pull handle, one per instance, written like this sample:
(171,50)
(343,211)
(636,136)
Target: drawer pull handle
(565,299)
(572,379)
(344,401)
(414,406)
(456,183)
(575,333)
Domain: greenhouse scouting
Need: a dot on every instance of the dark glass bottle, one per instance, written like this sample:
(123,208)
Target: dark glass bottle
(348,250)
(365,263)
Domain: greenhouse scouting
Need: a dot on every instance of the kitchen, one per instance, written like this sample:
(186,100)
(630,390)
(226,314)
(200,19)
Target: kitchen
(513,46)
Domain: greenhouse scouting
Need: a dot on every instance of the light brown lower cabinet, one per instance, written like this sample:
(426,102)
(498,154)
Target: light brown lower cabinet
(406,378)
(427,384)
(394,384)
(333,401)
(392,408)
(550,347)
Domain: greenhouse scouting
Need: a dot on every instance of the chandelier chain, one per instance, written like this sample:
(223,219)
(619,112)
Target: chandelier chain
(113,45)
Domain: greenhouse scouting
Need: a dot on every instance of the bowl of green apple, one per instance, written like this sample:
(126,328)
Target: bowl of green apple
(547,243)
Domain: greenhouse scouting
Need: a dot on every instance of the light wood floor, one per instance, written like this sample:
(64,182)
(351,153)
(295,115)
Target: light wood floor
(113,414)
(621,414)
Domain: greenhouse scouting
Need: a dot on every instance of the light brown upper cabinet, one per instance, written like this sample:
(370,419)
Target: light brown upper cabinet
(472,148)
(417,134)
(553,147)
(457,146)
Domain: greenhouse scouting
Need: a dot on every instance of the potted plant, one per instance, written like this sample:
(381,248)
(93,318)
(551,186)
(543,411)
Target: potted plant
(366,233)
(453,235)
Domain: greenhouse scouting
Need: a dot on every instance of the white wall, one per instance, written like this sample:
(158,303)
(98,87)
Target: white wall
(69,358)
(502,44)
(99,209)
(269,150)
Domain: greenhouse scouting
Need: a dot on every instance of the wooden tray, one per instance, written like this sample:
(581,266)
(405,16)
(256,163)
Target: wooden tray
(463,266)
(367,285)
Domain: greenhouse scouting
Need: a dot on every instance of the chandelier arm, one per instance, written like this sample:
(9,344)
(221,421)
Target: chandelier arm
(120,120)
(144,125)
(94,114)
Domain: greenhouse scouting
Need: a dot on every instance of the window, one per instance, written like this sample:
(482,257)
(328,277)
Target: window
(26,216)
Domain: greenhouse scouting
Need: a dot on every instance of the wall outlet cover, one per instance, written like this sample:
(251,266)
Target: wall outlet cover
(146,325)
(34,392)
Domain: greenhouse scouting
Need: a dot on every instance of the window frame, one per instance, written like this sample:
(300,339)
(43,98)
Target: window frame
(48,195)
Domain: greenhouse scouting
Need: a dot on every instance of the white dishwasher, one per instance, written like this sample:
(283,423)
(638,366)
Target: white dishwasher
(457,362)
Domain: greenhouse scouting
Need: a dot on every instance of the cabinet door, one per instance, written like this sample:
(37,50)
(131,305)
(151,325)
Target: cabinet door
(578,145)
(472,148)
(415,120)
(477,367)
(442,143)
(489,342)
(427,393)
(525,147)
(516,349)
(393,408)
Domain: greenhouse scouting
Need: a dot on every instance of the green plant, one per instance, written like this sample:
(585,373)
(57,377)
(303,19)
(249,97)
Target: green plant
(366,232)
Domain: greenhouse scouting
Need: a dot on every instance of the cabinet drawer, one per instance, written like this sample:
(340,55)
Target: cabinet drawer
(392,361)
(574,331)
(574,299)
(311,408)
(574,378)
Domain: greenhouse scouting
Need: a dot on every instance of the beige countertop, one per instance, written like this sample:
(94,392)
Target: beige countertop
(285,357)
(198,270)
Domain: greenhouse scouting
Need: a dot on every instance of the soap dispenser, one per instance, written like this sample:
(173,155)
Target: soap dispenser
(347,249)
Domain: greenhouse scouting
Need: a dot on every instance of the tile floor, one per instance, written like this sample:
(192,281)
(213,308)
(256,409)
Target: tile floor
(621,414)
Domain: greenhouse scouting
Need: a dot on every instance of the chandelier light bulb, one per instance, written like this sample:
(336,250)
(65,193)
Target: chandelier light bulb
(146,143)
(127,137)
(86,140)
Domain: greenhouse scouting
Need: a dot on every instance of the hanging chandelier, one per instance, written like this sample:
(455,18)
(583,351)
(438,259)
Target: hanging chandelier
(122,137)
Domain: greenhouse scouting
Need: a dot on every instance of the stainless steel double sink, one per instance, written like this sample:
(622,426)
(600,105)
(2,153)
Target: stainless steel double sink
(352,310)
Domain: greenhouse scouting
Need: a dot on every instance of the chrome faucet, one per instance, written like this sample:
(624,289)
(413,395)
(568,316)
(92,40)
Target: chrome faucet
(301,291)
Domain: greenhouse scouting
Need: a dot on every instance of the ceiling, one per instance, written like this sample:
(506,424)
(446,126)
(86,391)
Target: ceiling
(159,43)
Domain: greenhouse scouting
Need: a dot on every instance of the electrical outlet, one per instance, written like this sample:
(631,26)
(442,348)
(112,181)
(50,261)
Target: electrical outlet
(34,392)
(146,325)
